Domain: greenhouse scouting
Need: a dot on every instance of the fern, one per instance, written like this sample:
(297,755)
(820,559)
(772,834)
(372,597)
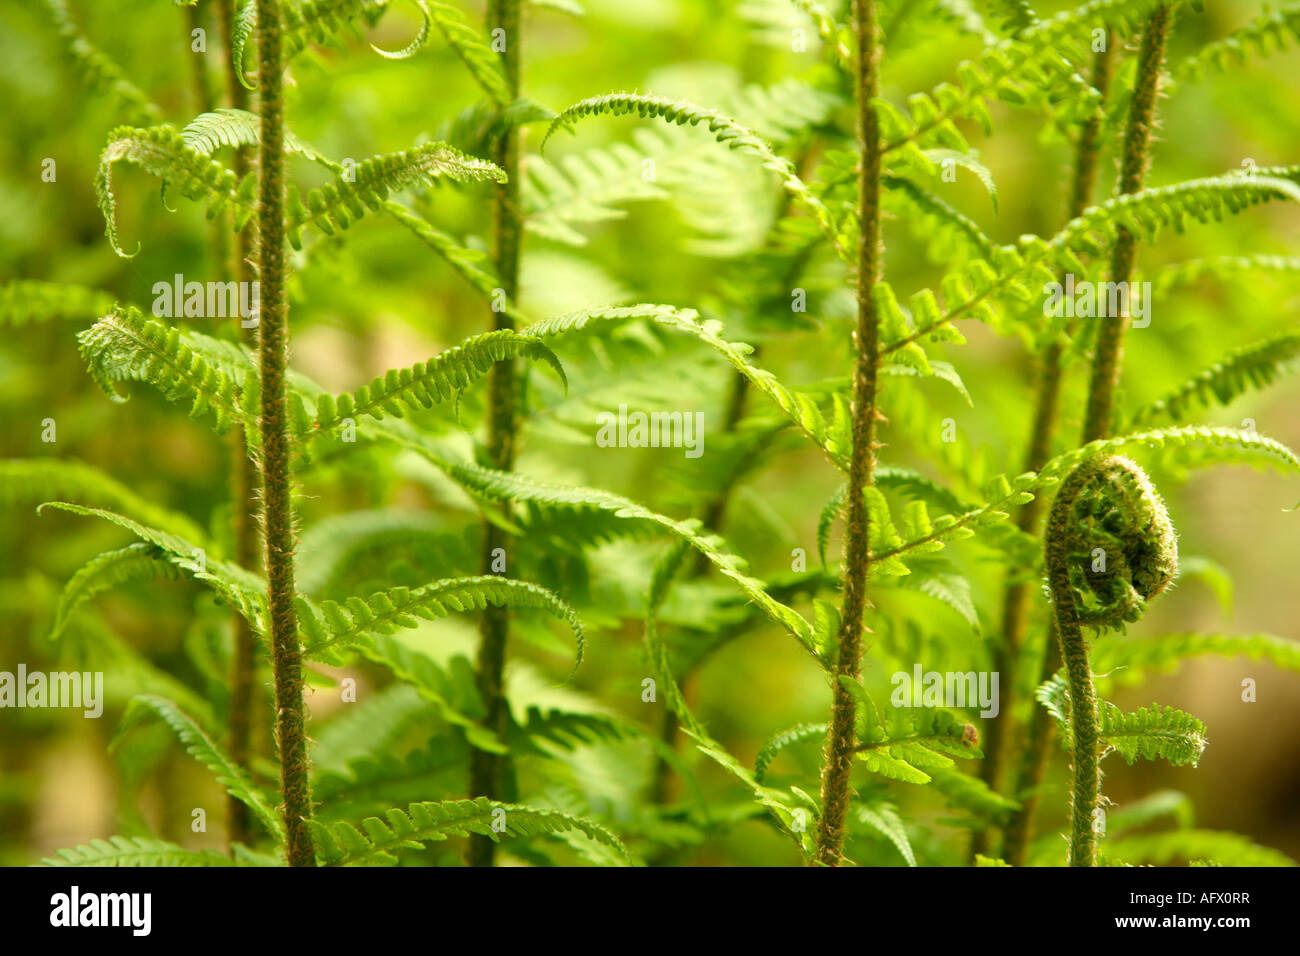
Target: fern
(201,747)
(98,71)
(796,734)
(107,571)
(1268,33)
(1126,659)
(134,851)
(163,152)
(909,739)
(1225,849)
(234,128)
(426,383)
(24,301)
(126,346)
(336,625)
(1253,366)
(342,844)
(337,204)
(473,50)
(1155,733)
(725,130)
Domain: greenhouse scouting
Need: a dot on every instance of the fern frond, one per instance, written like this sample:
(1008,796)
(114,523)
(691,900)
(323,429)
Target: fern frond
(1217,846)
(1158,733)
(1252,366)
(726,131)
(566,730)
(1126,659)
(23,301)
(372,783)
(1013,271)
(469,44)
(337,204)
(1270,32)
(107,571)
(966,792)
(472,264)
(767,753)
(134,851)
(342,844)
(425,384)
(509,487)
(163,152)
(366,728)
(126,346)
(241,589)
(1221,267)
(342,625)
(99,72)
(321,21)
(927,215)
(30,481)
(909,738)
(208,132)
(203,749)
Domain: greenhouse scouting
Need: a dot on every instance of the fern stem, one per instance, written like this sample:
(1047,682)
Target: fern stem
(487,769)
(1074,652)
(244,479)
(286,654)
(1137,139)
(841,740)
(1003,732)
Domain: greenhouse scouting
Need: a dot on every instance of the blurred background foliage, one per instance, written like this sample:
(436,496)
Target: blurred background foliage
(378,299)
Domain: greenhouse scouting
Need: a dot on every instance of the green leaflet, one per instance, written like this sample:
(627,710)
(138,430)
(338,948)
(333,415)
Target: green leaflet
(107,571)
(342,844)
(1126,659)
(340,625)
(909,738)
(1162,733)
(796,734)
(24,301)
(100,73)
(202,748)
(473,50)
(135,851)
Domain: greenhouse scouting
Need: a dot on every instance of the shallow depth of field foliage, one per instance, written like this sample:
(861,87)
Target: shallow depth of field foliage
(521,646)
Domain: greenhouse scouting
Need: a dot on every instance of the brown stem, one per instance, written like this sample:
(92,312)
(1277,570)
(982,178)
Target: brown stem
(286,654)
(487,769)
(841,740)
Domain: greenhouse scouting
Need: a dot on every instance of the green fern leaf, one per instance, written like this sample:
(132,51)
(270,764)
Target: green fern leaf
(1270,32)
(134,851)
(125,346)
(343,844)
(1225,849)
(426,383)
(473,50)
(796,734)
(1126,659)
(1253,366)
(1155,733)
(208,132)
(202,748)
(98,71)
(107,571)
(343,625)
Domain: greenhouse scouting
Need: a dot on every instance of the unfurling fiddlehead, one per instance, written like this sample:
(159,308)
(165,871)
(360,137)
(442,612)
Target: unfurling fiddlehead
(1110,548)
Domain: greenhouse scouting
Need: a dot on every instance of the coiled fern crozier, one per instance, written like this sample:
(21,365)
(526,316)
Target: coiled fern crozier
(1110,548)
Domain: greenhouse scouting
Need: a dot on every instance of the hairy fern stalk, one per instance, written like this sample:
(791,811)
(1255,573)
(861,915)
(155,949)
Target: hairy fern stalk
(542,616)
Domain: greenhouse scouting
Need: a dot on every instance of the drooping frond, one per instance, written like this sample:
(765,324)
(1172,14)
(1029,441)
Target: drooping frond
(800,408)
(767,753)
(725,130)
(425,384)
(241,589)
(1126,659)
(473,49)
(30,481)
(108,571)
(98,71)
(1268,33)
(341,625)
(203,749)
(1013,271)
(511,487)
(163,152)
(124,346)
(1252,366)
(24,301)
(337,204)
(134,851)
(1155,733)
(1038,67)
(208,132)
(322,21)
(342,844)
